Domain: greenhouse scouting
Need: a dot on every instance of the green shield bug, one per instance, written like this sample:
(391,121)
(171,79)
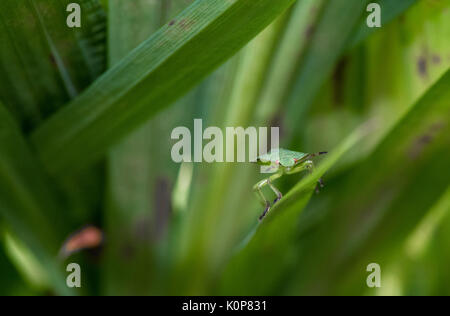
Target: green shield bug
(280,162)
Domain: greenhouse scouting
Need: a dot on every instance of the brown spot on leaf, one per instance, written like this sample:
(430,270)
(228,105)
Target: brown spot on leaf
(421,142)
(338,81)
(422,66)
(309,31)
(52,59)
(436,59)
(186,24)
(163,207)
(172,22)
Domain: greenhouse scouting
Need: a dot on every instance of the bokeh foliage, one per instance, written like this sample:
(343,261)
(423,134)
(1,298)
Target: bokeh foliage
(85,122)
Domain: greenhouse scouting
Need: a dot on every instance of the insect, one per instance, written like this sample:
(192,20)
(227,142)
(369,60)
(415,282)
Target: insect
(280,162)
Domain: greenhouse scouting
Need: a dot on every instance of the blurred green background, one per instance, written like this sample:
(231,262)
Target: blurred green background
(85,138)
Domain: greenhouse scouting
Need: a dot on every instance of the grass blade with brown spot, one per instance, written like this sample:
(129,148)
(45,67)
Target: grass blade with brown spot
(150,78)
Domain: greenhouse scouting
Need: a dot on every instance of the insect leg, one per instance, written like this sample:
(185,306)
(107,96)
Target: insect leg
(264,213)
(321,183)
(274,189)
(257,189)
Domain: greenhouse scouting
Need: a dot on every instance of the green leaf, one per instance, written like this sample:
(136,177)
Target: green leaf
(129,206)
(293,44)
(342,26)
(426,254)
(151,77)
(374,209)
(334,30)
(12,282)
(44,63)
(28,205)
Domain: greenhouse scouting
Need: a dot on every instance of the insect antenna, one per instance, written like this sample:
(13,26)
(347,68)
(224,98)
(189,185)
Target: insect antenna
(319,153)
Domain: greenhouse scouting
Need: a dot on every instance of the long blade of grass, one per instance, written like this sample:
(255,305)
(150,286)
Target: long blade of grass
(28,206)
(132,170)
(12,283)
(342,27)
(426,254)
(301,25)
(376,207)
(150,78)
(43,62)
(334,30)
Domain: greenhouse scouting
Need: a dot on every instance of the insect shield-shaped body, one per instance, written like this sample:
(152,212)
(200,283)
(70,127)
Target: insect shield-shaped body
(279,162)
(283,158)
